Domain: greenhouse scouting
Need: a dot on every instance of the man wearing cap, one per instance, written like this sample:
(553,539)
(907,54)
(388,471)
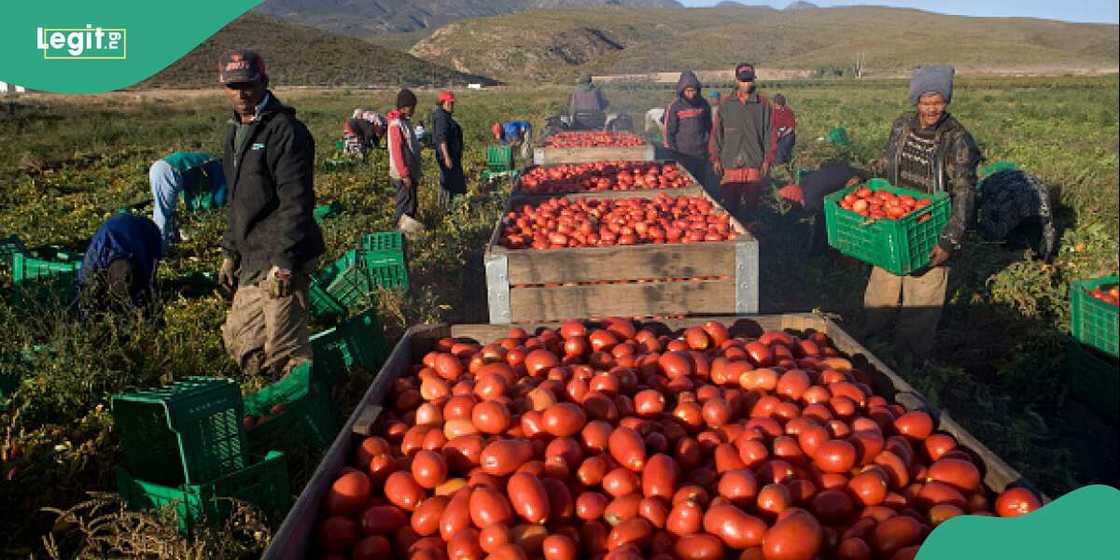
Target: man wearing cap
(742,146)
(516,133)
(587,105)
(272,242)
(404,161)
(932,152)
(447,136)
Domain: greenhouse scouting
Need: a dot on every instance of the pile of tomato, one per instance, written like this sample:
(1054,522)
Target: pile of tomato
(1109,295)
(609,441)
(883,205)
(590,222)
(603,176)
(593,139)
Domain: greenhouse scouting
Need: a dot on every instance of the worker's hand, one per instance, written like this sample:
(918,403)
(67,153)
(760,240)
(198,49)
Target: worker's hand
(447,162)
(938,256)
(853,181)
(765,169)
(407,181)
(227,275)
(718,167)
(281,281)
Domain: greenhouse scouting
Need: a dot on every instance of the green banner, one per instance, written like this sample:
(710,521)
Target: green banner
(1078,525)
(87,46)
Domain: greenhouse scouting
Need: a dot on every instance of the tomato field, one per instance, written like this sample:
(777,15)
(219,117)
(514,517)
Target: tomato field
(69,162)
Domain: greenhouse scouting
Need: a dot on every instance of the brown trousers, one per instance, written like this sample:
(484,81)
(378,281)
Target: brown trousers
(913,302)
(267,334)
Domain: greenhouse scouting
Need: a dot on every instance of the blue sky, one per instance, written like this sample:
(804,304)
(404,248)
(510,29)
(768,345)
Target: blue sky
(1100,11)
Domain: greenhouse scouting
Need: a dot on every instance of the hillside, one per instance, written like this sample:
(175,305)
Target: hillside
(298,55)
(365,18)
(557,45)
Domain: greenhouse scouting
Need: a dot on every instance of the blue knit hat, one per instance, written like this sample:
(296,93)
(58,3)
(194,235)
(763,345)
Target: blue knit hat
(934,78)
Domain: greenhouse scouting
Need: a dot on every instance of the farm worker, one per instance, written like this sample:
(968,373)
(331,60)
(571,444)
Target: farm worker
(447,136)
(362,132)
(1015,208)
(191,173)
(809,196)
(784,128)
(272,243)
(688,124)
(655,121)
(587,105)
(930,151)
(404,161)
(119,267)
(742,147)
(516,133)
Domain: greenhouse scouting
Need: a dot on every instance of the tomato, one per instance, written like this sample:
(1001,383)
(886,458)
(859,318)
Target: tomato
(835,456)
(529,497)
(915,425)
(426,517)
(489,506)
(403,491)
(628,448)
(797,536)
(337,534)
(383,520)
(735,527)
(564,419)
(1014,502)
(349,492)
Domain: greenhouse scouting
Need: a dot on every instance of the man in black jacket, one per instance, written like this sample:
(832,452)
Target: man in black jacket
(272,242)
(447,136)
(932,152)
(688,123)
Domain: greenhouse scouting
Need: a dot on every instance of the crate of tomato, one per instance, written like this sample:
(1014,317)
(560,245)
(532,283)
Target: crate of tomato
(890,227)
(592,145)
(647,254)
(527,442)
(606,178)
(1093,312)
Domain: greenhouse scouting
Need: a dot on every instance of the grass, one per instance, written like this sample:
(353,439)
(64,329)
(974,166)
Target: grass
(997,356)
(560,44)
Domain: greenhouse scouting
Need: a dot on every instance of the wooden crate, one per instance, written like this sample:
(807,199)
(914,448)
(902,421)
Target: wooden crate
(550,156)
(693,190)
(297,532)
(529,285)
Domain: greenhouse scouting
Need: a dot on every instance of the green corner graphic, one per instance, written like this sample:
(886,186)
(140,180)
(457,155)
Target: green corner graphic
(1076,526)
(65,46)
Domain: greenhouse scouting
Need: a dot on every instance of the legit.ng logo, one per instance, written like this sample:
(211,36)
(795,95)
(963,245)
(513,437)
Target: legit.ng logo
(88,43)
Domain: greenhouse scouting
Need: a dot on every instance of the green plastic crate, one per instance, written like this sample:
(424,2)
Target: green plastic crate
(499,157)
(348,282)
(386,271)
(45,275)
(324,211)
(263,484)
(383,241)
(324,306)
(898,246)
(1093,321)
(309,418)
(188,432)
(11,245)
(1094,379)
(358,341)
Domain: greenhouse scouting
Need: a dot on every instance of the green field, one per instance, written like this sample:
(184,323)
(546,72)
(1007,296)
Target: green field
(70,162)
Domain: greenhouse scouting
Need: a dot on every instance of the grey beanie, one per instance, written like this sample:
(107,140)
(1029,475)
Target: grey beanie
(934,78)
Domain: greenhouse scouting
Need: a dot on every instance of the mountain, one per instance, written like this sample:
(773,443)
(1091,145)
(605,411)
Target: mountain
(298,55)
(364,18)
(801,6)
(558,45)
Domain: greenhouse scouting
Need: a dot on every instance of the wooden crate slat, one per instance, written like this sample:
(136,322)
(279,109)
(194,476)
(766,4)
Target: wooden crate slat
(635,262)
(546,155)
(628,300)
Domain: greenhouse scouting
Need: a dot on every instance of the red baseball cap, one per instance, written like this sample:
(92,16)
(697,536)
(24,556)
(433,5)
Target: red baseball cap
(445,96)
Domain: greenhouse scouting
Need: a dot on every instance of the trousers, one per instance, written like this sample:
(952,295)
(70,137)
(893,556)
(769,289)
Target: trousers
(912,302)
(265,333)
